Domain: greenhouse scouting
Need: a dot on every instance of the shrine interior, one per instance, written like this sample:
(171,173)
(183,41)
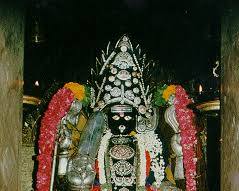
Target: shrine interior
(63,39)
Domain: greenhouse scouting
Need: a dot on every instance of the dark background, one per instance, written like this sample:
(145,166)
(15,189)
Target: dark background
(182,36)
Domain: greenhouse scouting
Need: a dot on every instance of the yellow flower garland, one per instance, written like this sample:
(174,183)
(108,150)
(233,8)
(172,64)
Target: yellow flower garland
(77,89)
(168,92)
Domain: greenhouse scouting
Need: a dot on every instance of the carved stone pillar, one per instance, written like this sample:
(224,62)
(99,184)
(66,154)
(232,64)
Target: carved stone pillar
(11,82)
(230,99)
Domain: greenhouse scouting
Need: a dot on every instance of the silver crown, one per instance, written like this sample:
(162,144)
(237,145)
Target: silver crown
(119,78)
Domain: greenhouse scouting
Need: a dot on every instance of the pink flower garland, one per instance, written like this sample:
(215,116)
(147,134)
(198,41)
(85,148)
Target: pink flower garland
(185,117)
(57,109)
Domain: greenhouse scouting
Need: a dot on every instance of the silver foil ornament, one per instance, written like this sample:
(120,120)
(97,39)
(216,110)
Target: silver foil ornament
(80,170)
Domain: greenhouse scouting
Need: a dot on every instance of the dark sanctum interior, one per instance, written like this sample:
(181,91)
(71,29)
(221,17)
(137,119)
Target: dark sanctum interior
(183,37)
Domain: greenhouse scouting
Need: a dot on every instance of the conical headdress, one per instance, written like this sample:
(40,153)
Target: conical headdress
(119,78)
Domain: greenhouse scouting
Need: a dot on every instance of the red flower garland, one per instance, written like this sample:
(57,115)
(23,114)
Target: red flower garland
(185,118)
(96,188)
(57,109)
(97,168)
(147,162)
(148,188)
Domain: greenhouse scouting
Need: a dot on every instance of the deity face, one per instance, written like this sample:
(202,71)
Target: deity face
(121,119)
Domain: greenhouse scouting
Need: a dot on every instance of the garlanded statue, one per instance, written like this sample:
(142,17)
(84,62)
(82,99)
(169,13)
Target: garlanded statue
(170,118)
(117,148)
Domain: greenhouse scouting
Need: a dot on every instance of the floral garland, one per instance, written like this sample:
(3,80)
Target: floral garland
(57,109)
(185,117)
(154,147)
(80,92)
(150,148)
(142,158)
(148,159)
(169,95)
(164,95)
(168,92)
(96,187)
(101,160)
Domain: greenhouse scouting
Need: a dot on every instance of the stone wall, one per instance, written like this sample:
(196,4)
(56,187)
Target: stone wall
(27,167)
(11,82)
(230,99)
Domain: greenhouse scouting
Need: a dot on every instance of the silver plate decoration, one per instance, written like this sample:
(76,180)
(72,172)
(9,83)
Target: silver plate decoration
(123,60)
(142,109)
(129,94)
(124,45)
(148,115)
(141,128)
(135,81)
(137,100)
(113,70)
(121,109)
(122,152)
(115,92)
(125,38)
(121,140)
(107,97)
(136,90)
(123,75)
(123,48)
(108,87)
(124,181)
(117,82)
(111,78)
(126,172)
(123,168)
(128,83)
(123,189)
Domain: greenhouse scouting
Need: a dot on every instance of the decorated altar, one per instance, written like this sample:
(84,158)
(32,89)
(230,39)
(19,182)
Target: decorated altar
(108,135)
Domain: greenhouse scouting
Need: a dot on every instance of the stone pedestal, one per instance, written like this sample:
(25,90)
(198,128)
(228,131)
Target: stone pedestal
(230,99)
(11,82)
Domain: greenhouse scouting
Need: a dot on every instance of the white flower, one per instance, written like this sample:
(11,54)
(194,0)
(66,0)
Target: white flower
(101,154)
(151,143)
(142,173)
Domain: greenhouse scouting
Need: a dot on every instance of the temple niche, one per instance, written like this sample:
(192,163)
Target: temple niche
(112,106)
